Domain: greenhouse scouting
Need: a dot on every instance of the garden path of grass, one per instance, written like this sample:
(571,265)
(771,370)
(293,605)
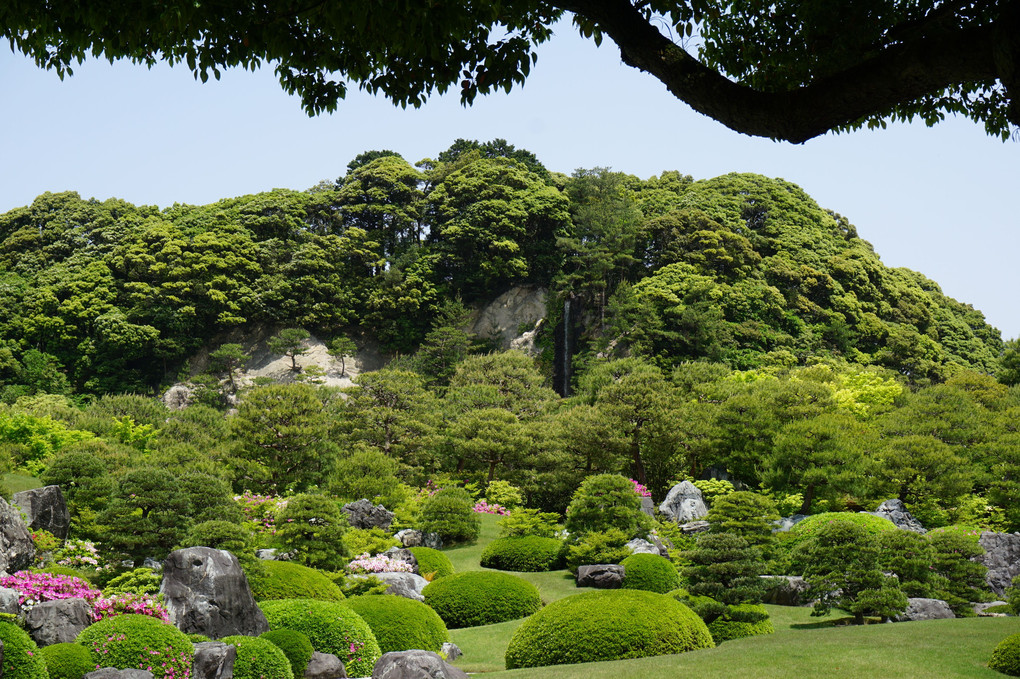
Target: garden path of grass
(917,650)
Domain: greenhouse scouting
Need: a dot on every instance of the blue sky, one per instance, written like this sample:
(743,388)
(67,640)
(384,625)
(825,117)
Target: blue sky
(939,200)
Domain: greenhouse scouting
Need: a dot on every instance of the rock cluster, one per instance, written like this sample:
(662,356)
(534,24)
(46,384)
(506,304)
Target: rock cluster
(895,511)
(1002,557)
(363,514)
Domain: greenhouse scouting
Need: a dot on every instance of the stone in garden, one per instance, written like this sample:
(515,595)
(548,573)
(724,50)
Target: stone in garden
(415,665)
(177,397)
(266,554)
(692,527)
(207,593)
(1002,557)
(45,509)
(405,555)
(152,564)
(58,622)
(325,666)
(213,660)
(895,511)
(784,524)
(114,673)
(602,576)
(407,585)
(648,506)
(9,601)
(785,590)
(925,609)
(415,538)
(363,514)
(684,503)
(980,610)
(639,546)
(450,651)
(17,551)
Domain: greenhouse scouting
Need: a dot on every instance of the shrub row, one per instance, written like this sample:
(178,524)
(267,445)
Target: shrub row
(527,554)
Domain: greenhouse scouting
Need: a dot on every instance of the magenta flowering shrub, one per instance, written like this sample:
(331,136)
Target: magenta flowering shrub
(640,489)
(128,602)
(261,510)
(378,564)
(483,507)
(139,641)
(34,588)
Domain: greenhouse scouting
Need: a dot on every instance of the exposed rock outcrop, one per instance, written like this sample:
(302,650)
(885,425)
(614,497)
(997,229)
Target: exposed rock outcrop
(213,660)
(925,609)
(1002,557)
(684,503)
(415,665)
(363,514)
(45,509)
(17,551)
(895,511)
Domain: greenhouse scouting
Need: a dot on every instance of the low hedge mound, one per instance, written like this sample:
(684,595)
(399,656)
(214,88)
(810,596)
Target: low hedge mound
(139,641)
(22,659)
(432,561)
(481,598)
(289,580)
(1005,657)
(401,624)
(739,621)
(294,645)
(873,524)
(606,625)
(528,554)
(649,572)
(331,626)
(259,658)
(67,661)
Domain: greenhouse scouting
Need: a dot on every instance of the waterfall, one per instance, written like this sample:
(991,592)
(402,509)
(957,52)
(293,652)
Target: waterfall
(566,347)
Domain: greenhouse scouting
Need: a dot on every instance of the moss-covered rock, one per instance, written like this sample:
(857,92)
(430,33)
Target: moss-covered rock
(133,641)
(528,554)
(481,598)
(401,624)
(289,580)
(606,625)
(649,572)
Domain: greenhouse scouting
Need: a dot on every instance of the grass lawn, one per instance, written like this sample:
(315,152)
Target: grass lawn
(19,482)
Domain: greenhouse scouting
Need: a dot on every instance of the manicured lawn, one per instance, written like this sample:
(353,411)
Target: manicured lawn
(20,482)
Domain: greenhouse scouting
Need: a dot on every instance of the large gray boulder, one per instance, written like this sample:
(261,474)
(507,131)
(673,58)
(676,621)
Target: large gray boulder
(114,673)
(363,514)
(639,546)
(684,503)
(981,609)
(17,551)
(207,593)
(895,511)
(414,665)
(602,576)
(407,585)
(213,660)
(1002,557)
(410,537)
(9,601)
(325,666)
(648,506)
(925,609)
(785,590)
(58,622)
(46,509)
(450,651)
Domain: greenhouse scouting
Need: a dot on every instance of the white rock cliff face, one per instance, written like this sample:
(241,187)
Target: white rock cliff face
(504,318)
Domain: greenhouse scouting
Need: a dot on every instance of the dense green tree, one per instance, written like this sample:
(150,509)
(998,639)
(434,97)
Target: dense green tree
(229,358)
(384,198)
(312,527)
(920,468)
(340,348)
(490,436)
(745,514)
(291,343)
(604,502)
(147,515)
(910,557)
(726,567)
(508,380)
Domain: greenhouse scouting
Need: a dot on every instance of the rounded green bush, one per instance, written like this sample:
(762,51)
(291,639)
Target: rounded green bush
(741,620)
(259,658)
(481,598)
(873,524)
(294,645)
(331,626)
(22,659)
(972,533)
(450,512)
(432,561)
(649,572)
(138,642)
(289,580)
(606,625)
(401,624)
(528,554)
(1005,657)
(67,661)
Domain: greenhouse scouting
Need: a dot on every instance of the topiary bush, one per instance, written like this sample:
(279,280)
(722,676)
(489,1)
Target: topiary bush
(972,533)
(67,661)
(289,580)
(432,561)
(608,546)
(649,572)
(481,598)
(739,621)
(812,524)
(294,645)
(604,502)
(1005,658)
(312,526)
(450,512)
(331,626)
(606,625)
(530,554)
(401,624)
(259,658)
(22,659)
(137,581)
(141,642)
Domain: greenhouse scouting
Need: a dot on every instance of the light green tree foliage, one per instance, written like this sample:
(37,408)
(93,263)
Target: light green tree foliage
(491,437)
(921,468)
(384,197)
(282,440)
(508,380)
(744,513)
(313,527)
(365,473)
(604,502)
(726,567)
(341,348)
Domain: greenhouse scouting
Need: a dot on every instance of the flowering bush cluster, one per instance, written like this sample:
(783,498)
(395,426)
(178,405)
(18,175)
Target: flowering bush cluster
(378,564)
(34,588)
(261,510)
(128,602)
(78,554)
(430,489)
(167,663)
(640,489)
(483,507)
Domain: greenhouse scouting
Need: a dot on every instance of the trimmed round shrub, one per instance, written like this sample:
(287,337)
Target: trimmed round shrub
(138,642)
(972,533)
(1005,658)
(294,645)
(529,554)
(649,572)
(67,661)
(481,598)
(450,512)
(739,621)
(22,659)
(289,580)
(432,561)
(259,658)
(401,624)
(606,625)
(331,626)
(872,524)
